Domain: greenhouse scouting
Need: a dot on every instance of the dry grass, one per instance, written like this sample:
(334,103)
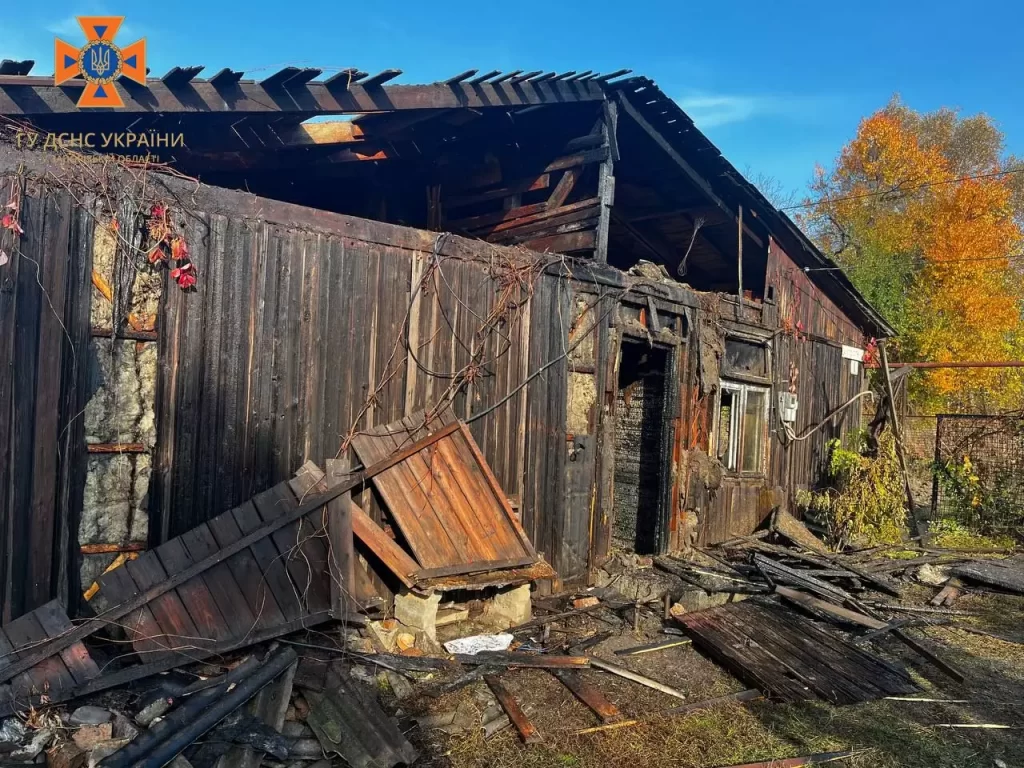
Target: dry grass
(893,734)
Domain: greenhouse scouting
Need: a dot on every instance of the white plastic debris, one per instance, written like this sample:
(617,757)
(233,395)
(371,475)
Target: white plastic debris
(473,645)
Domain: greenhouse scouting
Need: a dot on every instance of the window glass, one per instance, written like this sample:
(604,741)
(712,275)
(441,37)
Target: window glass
(752,459)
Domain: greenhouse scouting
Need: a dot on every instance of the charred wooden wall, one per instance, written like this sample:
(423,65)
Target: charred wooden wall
(807,331)
(299,335)
(44,334)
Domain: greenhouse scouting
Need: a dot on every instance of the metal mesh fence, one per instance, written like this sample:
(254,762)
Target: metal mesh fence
(979,473)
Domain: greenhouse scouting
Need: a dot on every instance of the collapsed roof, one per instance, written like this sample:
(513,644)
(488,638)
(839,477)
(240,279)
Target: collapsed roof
(452,155)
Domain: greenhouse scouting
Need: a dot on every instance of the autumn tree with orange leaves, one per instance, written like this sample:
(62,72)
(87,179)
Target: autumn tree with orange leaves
(925,213)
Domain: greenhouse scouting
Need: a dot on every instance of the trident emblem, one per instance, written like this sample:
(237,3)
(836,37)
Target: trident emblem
(100,60)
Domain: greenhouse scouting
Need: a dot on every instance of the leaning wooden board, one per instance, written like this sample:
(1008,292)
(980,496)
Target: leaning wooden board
(447,504)
(279,581)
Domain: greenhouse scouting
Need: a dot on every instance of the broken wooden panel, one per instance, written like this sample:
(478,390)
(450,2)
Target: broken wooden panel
(789,658)
(445,500)
(53,679)
(271,587)
(351,724)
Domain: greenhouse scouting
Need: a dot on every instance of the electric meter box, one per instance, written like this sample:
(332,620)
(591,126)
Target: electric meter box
(788,406)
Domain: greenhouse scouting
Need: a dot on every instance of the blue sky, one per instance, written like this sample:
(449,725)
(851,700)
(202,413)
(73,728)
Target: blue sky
(778,85)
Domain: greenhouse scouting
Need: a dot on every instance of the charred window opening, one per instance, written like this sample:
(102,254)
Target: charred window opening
(641,438)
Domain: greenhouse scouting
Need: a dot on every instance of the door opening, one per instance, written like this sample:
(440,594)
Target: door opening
(641,439)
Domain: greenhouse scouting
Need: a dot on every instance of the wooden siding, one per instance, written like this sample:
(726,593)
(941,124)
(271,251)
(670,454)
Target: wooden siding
(44,332)
(296,336)
(800,304)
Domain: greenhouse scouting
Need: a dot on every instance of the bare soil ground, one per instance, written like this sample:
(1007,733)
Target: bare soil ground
(891,733)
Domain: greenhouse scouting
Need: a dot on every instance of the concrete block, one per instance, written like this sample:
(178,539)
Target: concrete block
(418,612)
(510,607)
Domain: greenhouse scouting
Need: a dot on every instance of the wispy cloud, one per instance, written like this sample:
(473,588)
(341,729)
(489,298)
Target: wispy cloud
(711,110)
(69,28)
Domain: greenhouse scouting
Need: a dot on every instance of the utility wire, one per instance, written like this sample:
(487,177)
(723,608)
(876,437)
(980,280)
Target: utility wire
(902,191)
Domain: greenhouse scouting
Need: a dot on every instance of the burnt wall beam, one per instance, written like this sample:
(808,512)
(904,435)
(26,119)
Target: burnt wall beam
(606,178)
(38,96)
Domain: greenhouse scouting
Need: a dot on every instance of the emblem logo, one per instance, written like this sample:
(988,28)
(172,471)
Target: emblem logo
(100,62)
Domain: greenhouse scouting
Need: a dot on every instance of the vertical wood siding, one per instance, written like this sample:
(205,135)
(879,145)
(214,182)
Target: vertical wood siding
(294,337)
(44,332)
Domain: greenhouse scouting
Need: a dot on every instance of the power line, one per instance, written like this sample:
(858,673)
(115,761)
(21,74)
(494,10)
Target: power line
(881,193)
(930,261)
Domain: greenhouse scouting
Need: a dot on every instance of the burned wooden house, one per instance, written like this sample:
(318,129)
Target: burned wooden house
(647,353)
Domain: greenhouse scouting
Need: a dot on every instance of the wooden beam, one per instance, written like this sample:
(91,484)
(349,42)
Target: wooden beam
(585,240)
(179,76)
(397,560)
(341,563)
(688,169)
(588,694)
(23,96)
(225,78)
(527,731)
(460,77)
(303,76)
(506,76)
(124,333)
(542,213)
(563,188)
(606,179)
(634,677)
(380,78)
(116,448)
(480,78)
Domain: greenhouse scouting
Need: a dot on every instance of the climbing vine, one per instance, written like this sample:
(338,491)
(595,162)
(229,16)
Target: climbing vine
(864,500)
(168,249)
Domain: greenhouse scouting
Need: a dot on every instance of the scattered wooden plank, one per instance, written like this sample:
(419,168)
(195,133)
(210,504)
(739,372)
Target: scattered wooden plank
(634,677)
(829,609)
(588,694)
(539,622)
(527,731)
(938,661)
(511,659)
(781,574)
(660,645)
(608,727)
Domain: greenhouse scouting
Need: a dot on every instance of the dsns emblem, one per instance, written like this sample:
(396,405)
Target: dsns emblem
(100,62)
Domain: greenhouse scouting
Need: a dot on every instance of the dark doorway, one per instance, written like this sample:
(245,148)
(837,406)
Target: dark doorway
(641,442)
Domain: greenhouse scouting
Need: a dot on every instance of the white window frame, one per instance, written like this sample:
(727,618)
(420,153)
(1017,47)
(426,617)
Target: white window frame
(736,414)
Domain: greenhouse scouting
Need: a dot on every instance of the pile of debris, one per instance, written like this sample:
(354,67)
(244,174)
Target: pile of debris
(210,620)
(193,654)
